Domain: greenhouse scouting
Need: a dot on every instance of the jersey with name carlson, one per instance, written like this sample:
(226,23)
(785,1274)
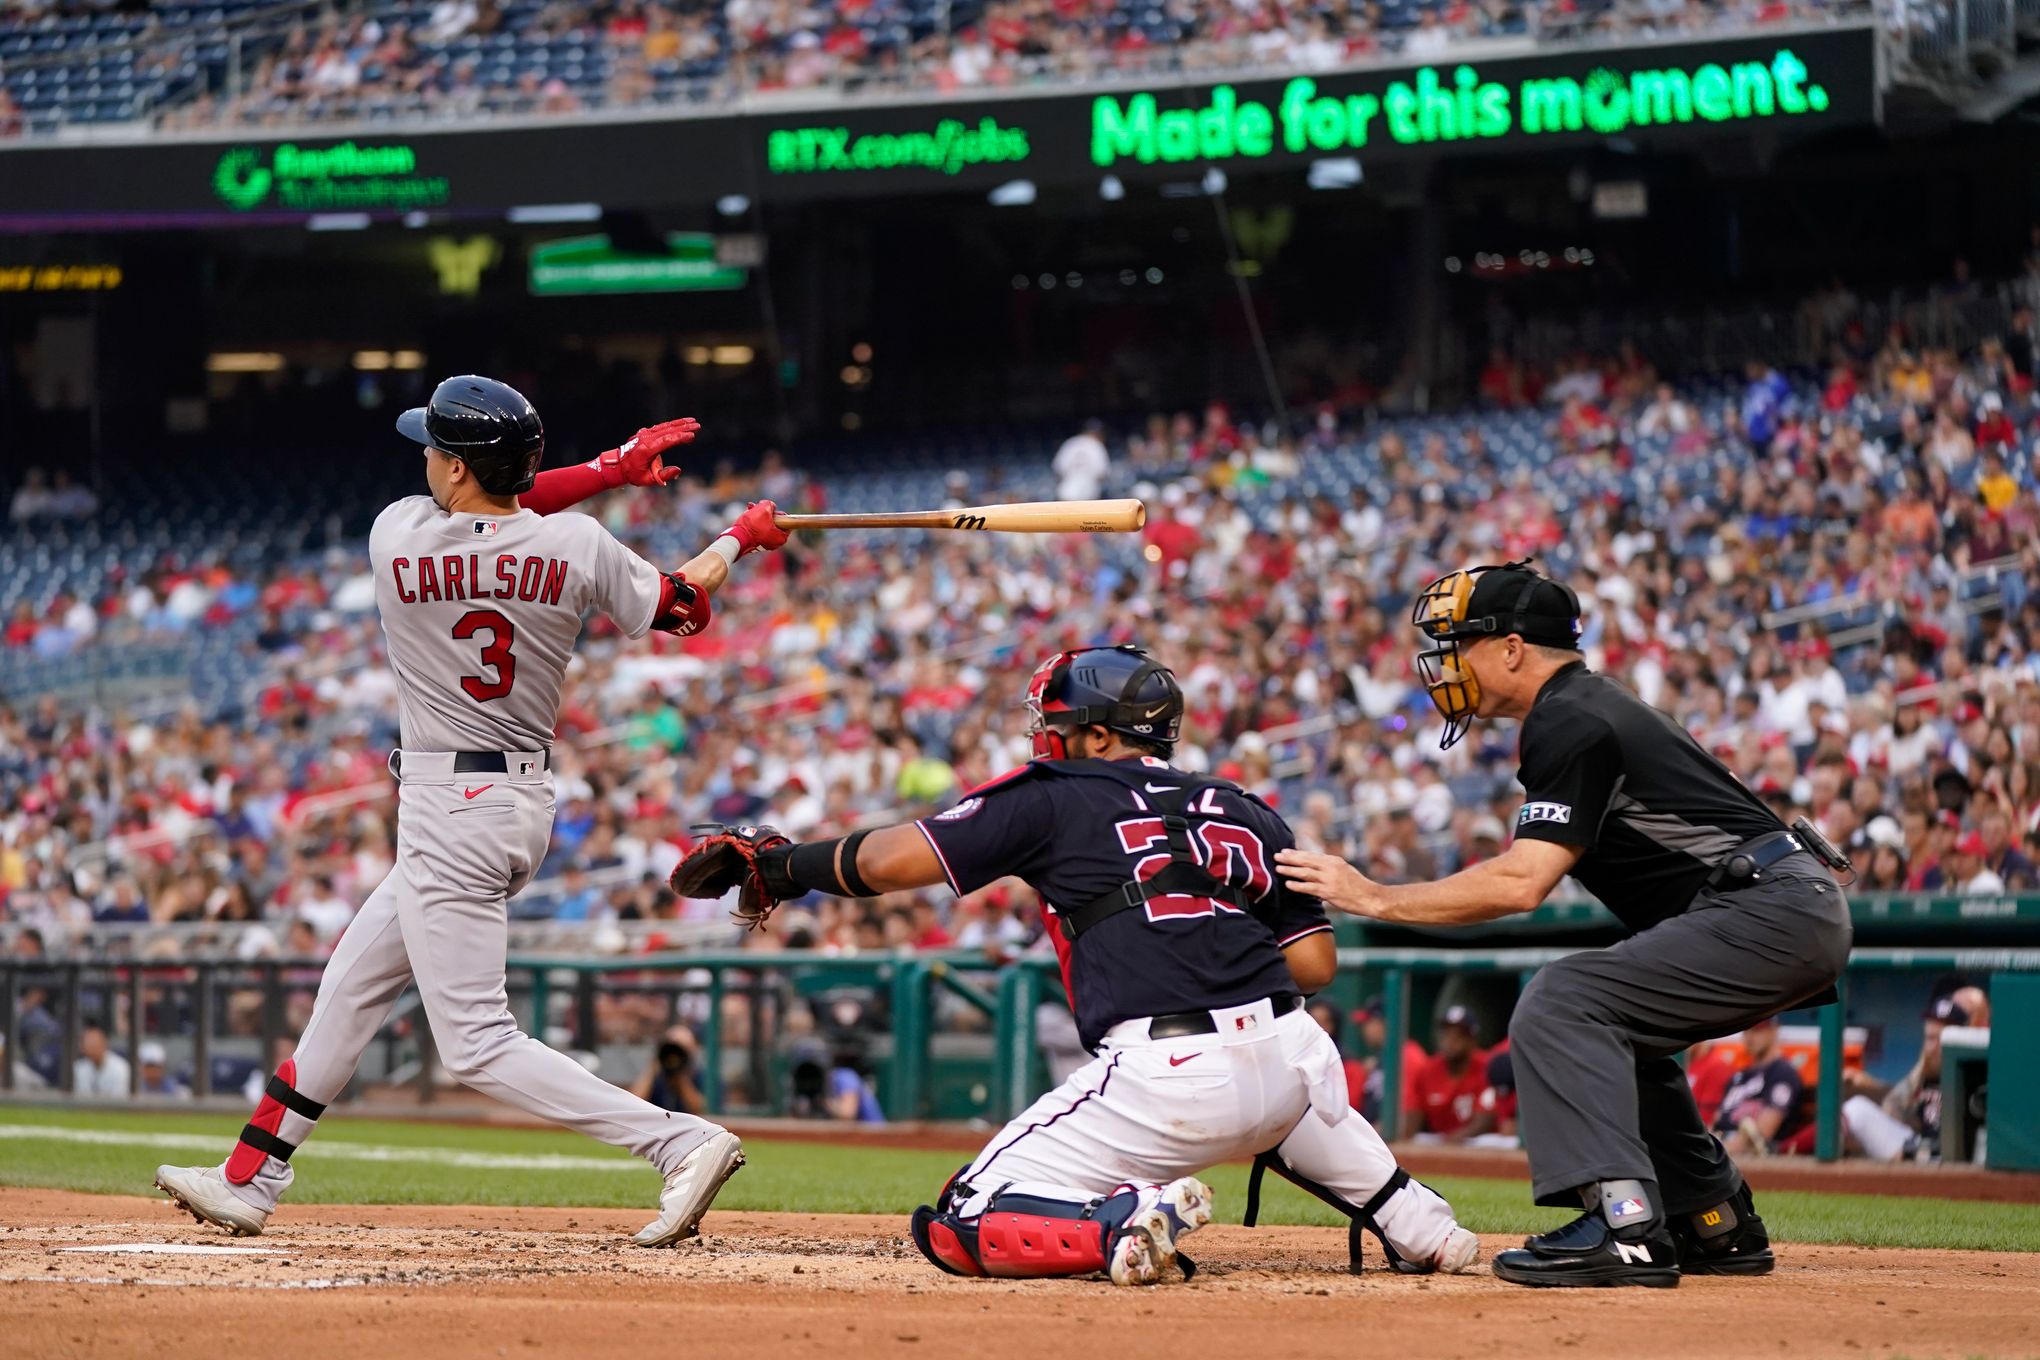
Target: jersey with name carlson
(1655,812)
(481,613)
(1076,837)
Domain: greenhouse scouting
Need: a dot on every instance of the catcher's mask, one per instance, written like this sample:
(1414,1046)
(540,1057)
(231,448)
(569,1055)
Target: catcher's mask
(1480,602)
(1121,688)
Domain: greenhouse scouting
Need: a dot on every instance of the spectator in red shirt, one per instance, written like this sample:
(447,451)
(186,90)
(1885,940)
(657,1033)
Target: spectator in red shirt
(1993,426)
(1497,1113)
(1709,1075)
(1450,1082)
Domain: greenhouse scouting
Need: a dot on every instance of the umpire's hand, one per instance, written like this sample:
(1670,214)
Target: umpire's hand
(1332,881)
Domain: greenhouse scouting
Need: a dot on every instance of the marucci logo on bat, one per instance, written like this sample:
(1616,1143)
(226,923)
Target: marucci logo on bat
(969,522)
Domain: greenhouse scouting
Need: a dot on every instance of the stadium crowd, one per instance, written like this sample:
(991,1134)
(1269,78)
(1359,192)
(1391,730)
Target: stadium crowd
(465,58)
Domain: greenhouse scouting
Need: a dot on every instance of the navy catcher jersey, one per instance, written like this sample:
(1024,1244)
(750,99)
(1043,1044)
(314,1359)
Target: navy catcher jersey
(1075,837)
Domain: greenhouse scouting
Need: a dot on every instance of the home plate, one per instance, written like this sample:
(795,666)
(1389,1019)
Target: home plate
(174,1249)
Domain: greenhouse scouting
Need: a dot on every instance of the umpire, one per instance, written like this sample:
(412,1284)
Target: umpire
(1732,916)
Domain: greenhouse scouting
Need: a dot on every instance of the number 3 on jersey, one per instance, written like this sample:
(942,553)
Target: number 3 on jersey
(496,654)
(1227,851)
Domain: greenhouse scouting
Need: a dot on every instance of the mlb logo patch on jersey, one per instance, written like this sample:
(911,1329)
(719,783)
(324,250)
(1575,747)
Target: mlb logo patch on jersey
(1544,812)
(487,527)
(1627,1209)
(1245,1022)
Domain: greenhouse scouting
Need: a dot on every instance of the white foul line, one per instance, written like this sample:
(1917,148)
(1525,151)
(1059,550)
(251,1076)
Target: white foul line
(327,1147)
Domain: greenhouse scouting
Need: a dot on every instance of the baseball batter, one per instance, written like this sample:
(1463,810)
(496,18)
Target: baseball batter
(482,598)
(1186,960)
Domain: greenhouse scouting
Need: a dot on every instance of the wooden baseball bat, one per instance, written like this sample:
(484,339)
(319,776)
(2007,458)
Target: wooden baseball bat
(1024,517)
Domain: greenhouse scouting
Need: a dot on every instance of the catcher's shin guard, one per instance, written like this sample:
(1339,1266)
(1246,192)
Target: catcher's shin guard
(1021,1234)
(1363,1216)
(259,1140)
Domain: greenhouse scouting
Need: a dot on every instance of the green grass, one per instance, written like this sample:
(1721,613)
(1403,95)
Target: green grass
(820,1178)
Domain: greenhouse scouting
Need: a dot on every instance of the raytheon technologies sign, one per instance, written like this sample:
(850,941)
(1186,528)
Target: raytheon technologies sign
(1443,104)
(320,179)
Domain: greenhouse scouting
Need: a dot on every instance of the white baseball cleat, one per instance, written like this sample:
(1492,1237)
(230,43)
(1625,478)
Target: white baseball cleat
(690,1188)
(1460,1251)
(1146,1246)
(203,1192)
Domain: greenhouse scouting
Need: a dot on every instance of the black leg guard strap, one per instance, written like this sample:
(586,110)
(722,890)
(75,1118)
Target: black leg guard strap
(1261,1165)
(263,1141)
(288,1096)
(1362,1217)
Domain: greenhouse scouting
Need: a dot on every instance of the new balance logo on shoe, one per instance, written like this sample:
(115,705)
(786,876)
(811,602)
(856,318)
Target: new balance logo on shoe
(1633,1253)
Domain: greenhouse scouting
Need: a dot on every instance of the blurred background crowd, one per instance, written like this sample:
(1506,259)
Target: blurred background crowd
(186,65)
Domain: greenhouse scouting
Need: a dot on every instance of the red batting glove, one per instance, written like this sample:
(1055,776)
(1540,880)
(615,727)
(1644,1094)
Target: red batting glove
(639,463)
(756,529)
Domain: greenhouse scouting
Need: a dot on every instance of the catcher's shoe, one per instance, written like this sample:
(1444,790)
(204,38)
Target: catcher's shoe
(1146,1247)
(1586,1253)
(204,1193)
(690,1188)
(1728,1239)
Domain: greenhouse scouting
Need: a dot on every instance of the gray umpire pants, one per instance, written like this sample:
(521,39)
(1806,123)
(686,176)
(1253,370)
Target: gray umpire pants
(1600,1096)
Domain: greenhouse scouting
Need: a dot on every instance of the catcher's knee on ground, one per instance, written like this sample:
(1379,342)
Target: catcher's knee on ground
(1022,1231)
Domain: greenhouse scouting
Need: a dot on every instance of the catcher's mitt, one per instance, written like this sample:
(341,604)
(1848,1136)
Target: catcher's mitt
(728,857)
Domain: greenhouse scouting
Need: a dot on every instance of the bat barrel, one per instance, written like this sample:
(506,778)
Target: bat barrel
(1029,517)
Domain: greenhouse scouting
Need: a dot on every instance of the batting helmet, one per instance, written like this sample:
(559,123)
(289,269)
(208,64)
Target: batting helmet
(1121,688)
(1479,602)
(486,424)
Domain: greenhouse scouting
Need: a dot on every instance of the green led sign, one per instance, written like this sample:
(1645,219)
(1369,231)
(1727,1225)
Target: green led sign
(347,177)
(1431,106)
(590,264)
(950,147)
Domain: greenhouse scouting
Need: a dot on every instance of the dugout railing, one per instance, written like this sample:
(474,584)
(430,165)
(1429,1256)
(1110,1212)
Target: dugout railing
(1002,999)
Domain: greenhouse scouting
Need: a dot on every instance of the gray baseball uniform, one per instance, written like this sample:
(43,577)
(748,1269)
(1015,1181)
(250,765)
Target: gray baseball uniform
(481,613)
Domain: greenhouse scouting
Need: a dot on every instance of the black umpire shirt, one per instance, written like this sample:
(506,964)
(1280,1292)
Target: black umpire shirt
(1075,837)
(1603,770)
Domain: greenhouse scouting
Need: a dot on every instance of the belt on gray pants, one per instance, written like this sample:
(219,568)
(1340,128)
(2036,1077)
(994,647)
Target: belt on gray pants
(1746,863)
(474,762)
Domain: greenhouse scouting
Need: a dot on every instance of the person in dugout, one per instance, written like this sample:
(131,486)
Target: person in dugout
(1187,964)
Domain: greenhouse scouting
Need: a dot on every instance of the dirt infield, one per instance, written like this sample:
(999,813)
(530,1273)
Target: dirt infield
(389,1283)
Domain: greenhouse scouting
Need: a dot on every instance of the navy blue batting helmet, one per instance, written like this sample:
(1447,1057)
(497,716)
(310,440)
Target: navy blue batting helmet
(486,424)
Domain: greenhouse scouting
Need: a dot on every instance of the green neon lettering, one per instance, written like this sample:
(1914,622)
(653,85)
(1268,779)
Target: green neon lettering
(1711,94)
(1752,89)
(1658,97)
(1128,132)
(1551,105)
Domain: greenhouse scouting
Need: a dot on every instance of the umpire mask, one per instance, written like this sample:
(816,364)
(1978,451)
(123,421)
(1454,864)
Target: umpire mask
(1479,602)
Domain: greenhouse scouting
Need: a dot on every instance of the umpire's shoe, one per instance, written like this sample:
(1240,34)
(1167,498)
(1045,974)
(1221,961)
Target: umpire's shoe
(1728,1239)
(1586,1254)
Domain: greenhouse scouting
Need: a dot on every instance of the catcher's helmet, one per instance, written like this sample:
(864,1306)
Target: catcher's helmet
(1121,688)
(1478,602)
(486,424)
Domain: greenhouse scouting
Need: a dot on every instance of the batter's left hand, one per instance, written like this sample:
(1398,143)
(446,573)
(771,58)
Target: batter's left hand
(640,462)
(1332,881)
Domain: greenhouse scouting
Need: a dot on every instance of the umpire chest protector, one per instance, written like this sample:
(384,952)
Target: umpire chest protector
(1180,801)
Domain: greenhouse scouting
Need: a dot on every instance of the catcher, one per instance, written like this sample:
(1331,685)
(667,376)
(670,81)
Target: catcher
(1186,960)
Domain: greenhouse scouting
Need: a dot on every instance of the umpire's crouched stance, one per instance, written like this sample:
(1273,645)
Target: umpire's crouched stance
(1734,918)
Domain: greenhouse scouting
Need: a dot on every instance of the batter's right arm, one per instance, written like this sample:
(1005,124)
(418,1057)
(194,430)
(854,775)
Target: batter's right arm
(684,595)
